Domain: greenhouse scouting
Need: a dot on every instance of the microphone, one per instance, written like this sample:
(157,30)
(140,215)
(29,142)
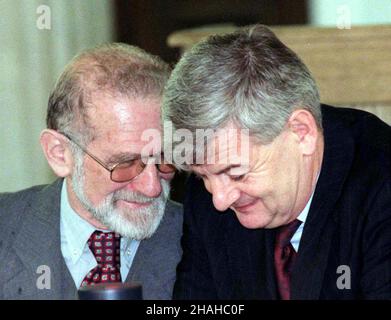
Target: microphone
(111,291)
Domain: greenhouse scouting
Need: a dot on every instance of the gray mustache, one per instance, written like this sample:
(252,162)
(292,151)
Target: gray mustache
(132,196)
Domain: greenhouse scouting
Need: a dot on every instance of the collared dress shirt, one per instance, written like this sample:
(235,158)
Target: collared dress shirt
(295,241)
(75,231)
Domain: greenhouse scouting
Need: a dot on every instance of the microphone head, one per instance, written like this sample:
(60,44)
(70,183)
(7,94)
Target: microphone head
(111,291)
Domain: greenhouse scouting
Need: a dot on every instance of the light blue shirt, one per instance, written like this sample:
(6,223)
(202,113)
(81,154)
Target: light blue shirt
(295,241)
(75,231)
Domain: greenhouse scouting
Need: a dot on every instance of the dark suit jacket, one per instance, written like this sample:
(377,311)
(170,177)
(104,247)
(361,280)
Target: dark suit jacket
(349,224)
(30,237)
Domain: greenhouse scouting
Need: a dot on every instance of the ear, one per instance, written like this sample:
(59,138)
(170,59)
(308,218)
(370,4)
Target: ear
(57,153)
(303,125)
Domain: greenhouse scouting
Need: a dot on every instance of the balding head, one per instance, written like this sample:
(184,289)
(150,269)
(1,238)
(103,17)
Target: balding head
(114,69)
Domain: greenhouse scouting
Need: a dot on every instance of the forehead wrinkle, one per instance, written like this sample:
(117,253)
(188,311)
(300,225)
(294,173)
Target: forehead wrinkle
(202,169)
(123,112)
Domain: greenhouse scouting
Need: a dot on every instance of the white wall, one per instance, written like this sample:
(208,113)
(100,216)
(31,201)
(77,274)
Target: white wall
(361,12)
(31,58)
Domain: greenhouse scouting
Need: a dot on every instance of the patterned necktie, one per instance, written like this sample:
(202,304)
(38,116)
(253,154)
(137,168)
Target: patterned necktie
(284,257)
(106,249)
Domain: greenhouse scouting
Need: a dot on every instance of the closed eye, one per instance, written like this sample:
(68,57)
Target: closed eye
(199,176)
(237,178)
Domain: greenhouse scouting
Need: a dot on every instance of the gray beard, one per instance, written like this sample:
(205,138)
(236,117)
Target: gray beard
(136,223)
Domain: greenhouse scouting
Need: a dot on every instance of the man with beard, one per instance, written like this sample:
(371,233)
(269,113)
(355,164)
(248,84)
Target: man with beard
(107,219)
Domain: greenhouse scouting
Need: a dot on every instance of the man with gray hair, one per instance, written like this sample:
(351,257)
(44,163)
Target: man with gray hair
(108,218)
(306,204)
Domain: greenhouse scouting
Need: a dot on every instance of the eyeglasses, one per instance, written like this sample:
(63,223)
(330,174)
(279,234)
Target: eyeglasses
(127,170)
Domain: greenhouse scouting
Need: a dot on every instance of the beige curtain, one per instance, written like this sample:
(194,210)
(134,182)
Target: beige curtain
(37,39)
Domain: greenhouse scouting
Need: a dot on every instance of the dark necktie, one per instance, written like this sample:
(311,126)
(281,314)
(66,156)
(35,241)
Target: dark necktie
(106,249)
(284,257)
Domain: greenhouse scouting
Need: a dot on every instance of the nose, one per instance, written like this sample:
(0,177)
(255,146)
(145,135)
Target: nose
(223,194)
(148,182)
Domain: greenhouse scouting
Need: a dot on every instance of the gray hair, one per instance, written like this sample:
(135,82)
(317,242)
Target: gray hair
(248,78)
(117,69)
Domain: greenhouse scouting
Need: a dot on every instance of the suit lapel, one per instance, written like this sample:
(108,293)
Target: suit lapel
(154,264)
(38,246)
(308,273)
(151,250)
(247,261)
(138,266)
(270,280)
